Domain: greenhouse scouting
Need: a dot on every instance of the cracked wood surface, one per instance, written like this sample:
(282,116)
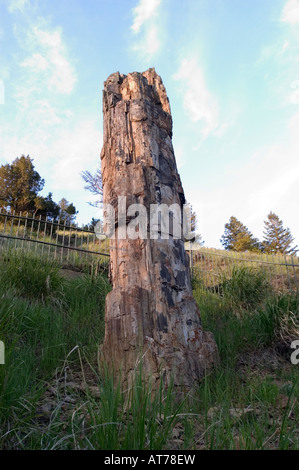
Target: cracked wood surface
(150,312)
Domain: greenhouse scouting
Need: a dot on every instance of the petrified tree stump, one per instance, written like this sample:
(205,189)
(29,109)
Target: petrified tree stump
(150,312)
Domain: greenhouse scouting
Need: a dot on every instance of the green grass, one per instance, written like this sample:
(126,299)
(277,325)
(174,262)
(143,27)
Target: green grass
(246,287)
(212,265)
(32,238)
(251,376)
(42,317)
(55,395)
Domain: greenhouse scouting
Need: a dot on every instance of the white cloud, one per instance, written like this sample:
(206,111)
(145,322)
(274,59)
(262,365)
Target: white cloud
(43,122)
(228,124)
(75,150)
(290,13)
(36,62)
(150,43)
(48,57)
(281,58)
(269,181)
(198,101)
(294,95)
(145,10)
(46,76)
(60,158)
(146,28)
(45,79)
(17,5)
(273,180)
(61,155)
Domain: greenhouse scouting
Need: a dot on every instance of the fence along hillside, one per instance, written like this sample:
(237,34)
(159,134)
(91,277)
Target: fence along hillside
(67,244)
(70,245)
(210,266)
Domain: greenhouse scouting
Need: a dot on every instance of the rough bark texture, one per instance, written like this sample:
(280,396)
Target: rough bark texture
(151,312)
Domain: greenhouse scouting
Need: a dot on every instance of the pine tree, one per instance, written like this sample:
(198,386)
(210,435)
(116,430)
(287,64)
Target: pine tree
(67,211)
(46,207)
(20,185)
(277,239)
(238,238)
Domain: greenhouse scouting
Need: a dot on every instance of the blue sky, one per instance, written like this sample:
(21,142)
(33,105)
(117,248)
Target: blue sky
(231,71)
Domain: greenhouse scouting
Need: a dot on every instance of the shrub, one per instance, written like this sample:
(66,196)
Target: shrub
(281,317)
(246,288)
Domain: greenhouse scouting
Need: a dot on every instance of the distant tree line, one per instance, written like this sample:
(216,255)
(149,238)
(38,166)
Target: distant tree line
(277,239)
(20,185)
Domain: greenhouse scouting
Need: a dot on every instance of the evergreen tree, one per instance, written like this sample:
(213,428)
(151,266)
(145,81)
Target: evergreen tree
(46,207)
(20,185)
(39,204)
(238,238)
(93,223)
(277,239)
(52,208)
(67,211)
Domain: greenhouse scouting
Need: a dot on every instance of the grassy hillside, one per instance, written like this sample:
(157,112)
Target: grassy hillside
(212,266)
(68,246)
(54,395)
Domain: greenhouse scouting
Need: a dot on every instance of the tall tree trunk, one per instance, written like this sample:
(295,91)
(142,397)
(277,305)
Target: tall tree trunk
(150,313)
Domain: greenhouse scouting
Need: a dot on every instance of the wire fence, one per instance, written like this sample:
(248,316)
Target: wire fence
(62,241)
(212,266)
(80,248)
